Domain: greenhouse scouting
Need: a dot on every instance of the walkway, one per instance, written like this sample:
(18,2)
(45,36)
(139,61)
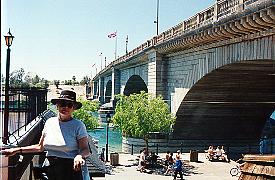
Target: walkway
(203,169)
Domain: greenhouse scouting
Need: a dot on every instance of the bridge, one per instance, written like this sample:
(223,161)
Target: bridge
(216,70)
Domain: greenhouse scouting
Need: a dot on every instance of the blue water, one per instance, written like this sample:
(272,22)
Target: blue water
(115,138)
(273,115)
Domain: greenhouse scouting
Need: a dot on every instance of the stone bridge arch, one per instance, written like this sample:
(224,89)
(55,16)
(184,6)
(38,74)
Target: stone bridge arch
(135,84)
(230,103)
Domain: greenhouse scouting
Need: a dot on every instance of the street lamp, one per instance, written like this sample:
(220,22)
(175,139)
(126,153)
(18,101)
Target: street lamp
(157,21)
(9,38)
(108,116)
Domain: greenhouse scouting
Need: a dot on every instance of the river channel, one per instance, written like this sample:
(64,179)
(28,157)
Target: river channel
(114,140)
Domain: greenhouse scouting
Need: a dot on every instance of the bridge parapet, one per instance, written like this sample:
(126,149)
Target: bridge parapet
(218,12)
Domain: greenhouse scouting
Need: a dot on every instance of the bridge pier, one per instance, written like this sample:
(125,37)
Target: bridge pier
(115,83)
(101,90)
(157,74)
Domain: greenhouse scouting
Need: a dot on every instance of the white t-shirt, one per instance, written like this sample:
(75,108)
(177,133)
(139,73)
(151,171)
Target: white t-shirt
(218,152)
(142,157)
(61,138)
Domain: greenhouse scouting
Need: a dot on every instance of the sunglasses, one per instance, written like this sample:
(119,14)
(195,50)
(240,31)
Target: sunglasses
(66,104)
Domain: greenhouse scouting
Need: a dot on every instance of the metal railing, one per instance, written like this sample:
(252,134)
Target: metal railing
(24,106)
(230,149)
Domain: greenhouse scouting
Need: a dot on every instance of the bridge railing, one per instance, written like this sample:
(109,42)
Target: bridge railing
(220,10)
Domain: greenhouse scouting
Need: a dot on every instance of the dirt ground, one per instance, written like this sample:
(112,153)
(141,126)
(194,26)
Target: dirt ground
(53,92)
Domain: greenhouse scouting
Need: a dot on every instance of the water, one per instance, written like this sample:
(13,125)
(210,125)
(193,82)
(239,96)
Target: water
(115,138)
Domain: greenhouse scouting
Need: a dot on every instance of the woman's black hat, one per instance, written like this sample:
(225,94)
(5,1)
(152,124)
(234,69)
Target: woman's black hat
(67,95)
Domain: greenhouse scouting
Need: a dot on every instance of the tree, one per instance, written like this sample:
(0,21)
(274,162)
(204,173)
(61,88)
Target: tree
(85,81)
(28,78)
(36,79)
(74,80)
(86,113)
(43,83)
(56,83)
(16,78)
(139,114)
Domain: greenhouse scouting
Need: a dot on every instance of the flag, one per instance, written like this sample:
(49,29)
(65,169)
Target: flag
(112,35)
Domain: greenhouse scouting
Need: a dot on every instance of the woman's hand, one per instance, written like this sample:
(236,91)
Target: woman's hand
(10,151)
(78,162)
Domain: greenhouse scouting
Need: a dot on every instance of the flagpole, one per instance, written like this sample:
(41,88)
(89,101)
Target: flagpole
(116,46)
(126,44)
(92,70)
(105,61)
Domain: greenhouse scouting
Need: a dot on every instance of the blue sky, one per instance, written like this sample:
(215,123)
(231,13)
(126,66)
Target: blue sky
(58,39)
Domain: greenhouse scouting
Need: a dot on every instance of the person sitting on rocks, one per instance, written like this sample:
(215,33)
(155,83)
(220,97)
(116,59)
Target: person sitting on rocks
(210,153)
(166,160)
(218,152)
(141,163)
(170,164)
(224,155)
(153,159)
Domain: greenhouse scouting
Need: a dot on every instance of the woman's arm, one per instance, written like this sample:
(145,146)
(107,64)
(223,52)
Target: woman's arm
(26,149)
(84,152)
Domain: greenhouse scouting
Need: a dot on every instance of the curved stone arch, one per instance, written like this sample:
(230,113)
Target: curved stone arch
(141,70)
(135,84)
(230,103)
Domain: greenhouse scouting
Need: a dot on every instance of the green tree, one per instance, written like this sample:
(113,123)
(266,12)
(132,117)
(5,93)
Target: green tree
(56,83)
(28,78)
(16,78)
(85,81)
(139,114)
(74,80)
(85,113)
(35,79)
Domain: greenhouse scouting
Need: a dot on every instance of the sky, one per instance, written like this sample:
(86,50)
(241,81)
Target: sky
(59,39)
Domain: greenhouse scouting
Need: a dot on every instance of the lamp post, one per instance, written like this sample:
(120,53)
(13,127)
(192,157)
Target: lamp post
(107,133)
(100,61)
(9,38)
(157,21)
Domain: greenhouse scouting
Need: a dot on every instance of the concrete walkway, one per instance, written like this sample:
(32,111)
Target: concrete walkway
(202,170)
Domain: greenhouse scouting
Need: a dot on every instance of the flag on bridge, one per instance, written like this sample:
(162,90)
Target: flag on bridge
(112,35)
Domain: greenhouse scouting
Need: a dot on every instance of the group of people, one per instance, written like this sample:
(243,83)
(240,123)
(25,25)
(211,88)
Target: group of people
(146,160)
(217,153)
(171,164)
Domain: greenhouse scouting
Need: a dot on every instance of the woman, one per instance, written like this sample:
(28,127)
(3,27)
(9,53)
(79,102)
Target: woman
(141,164)
(210,153)
(64,138)
(178,154)
(170,164)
